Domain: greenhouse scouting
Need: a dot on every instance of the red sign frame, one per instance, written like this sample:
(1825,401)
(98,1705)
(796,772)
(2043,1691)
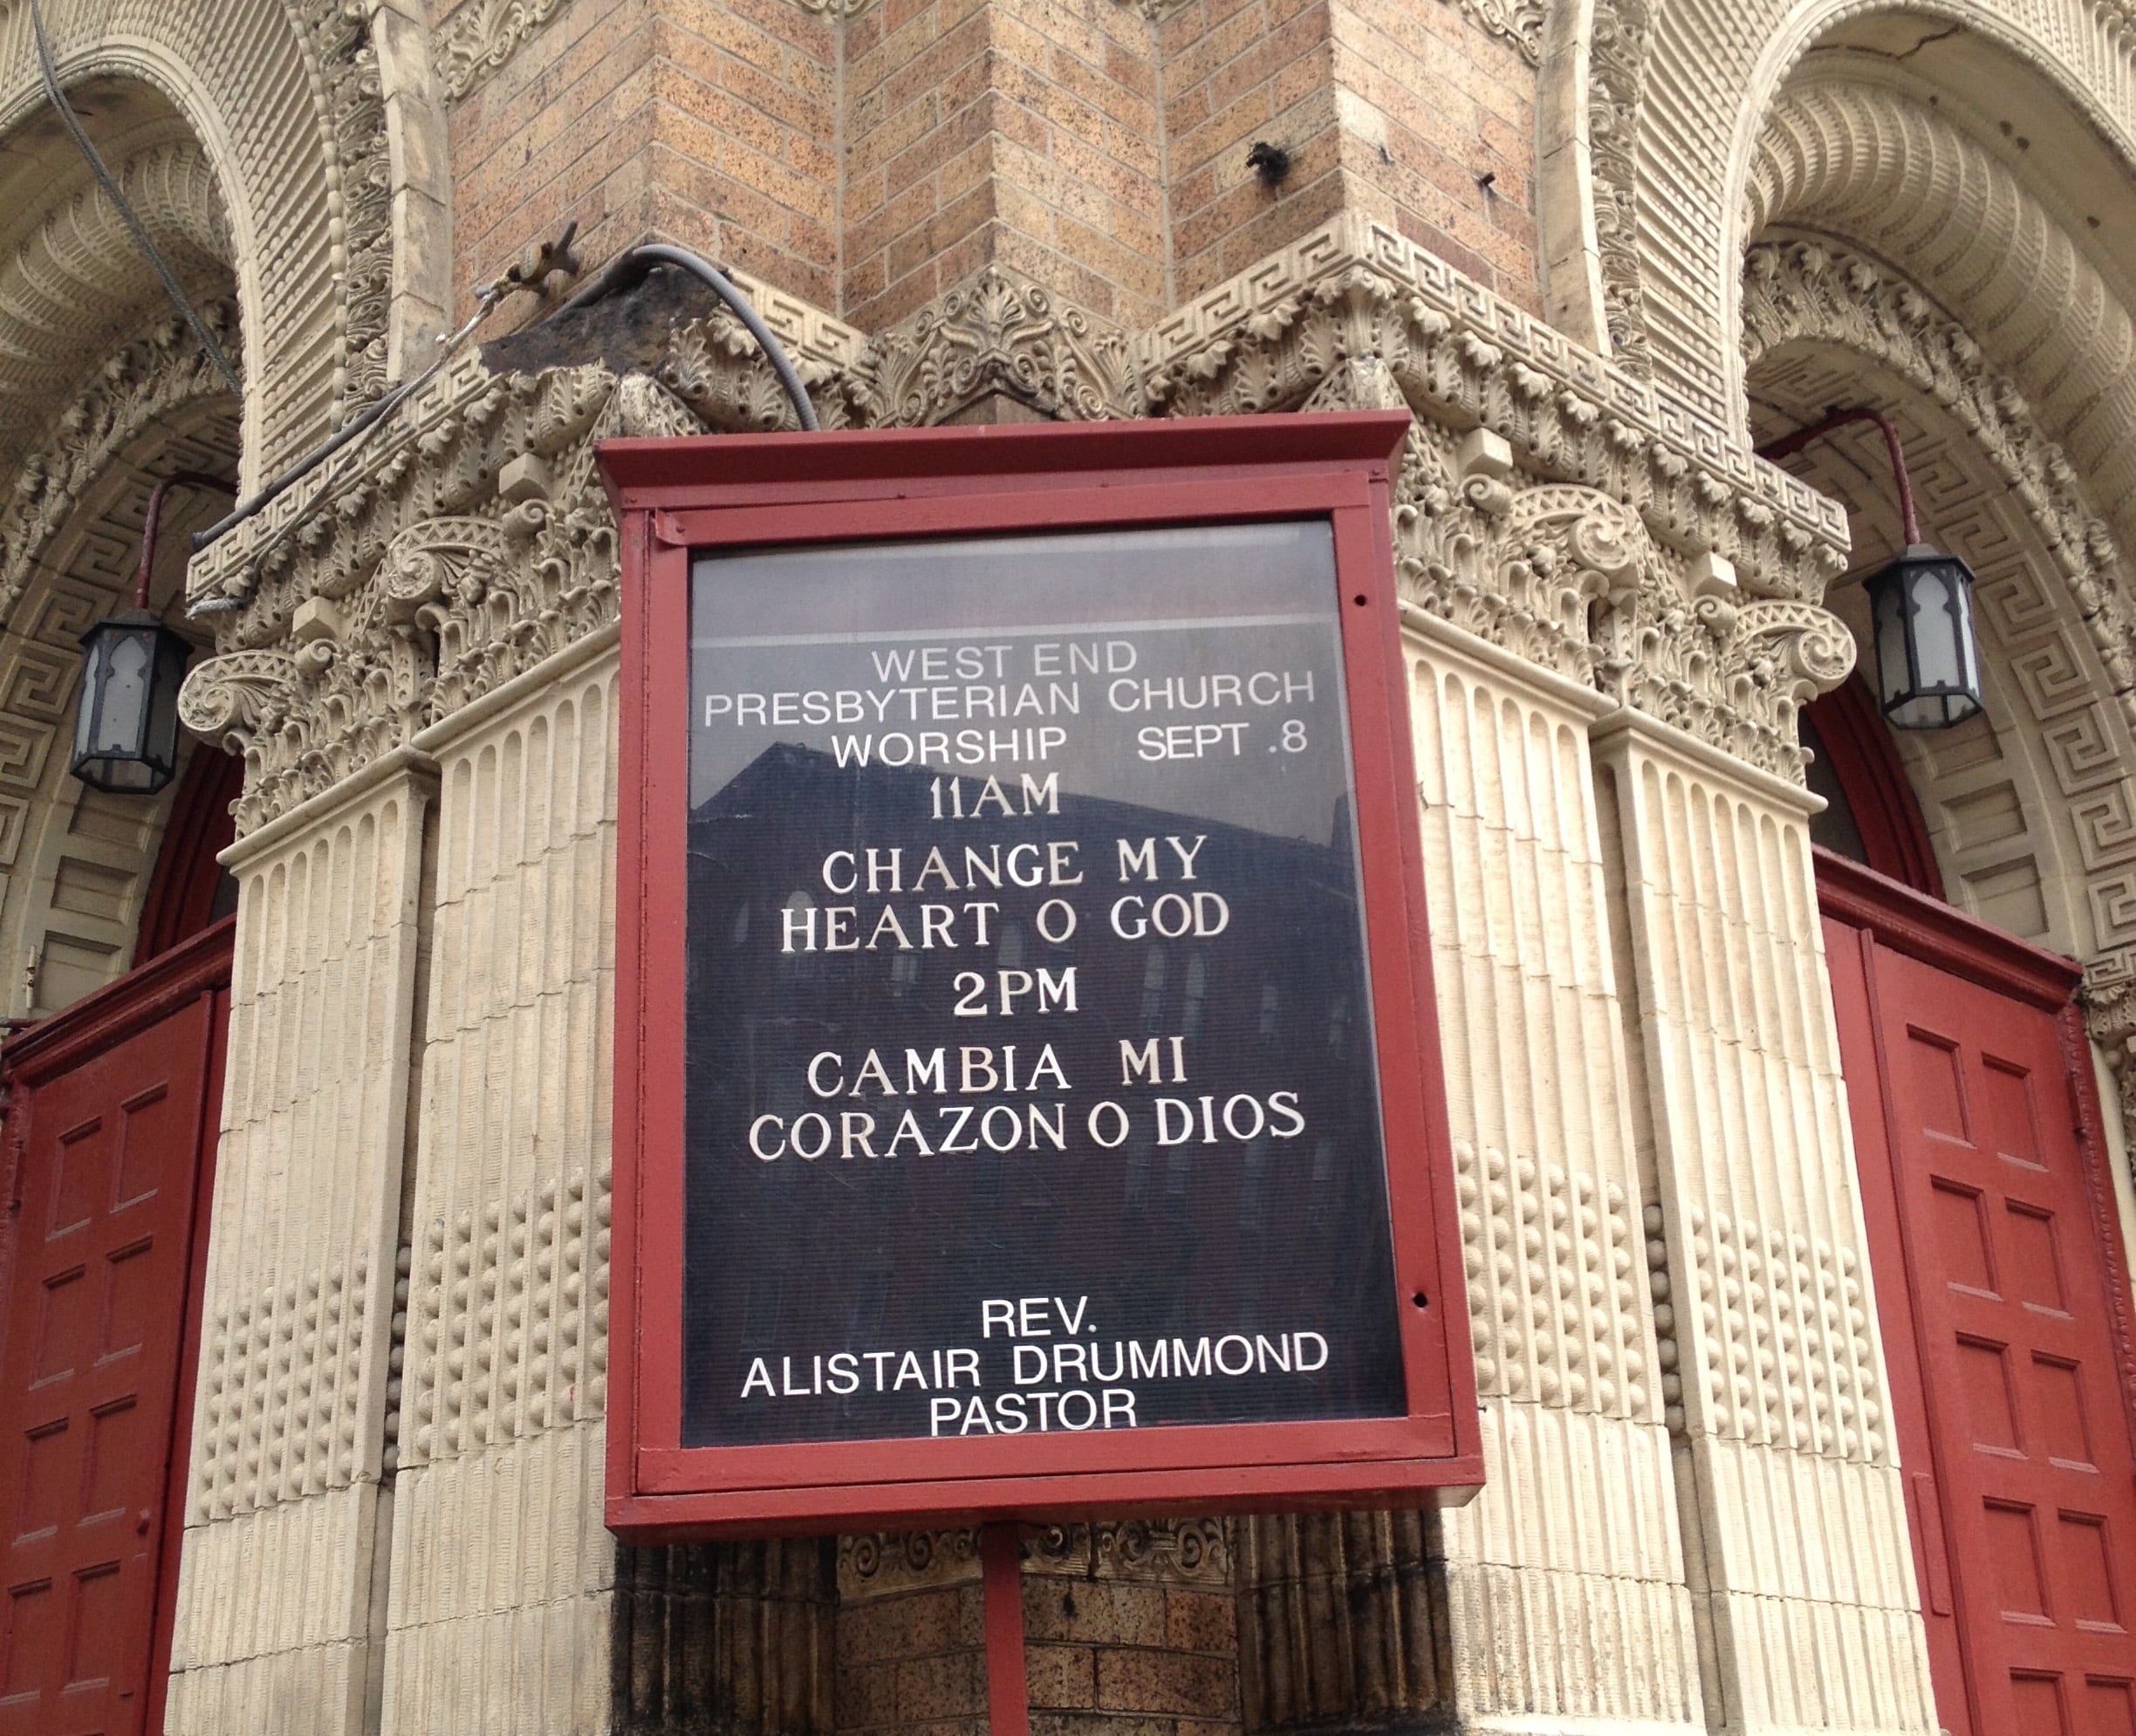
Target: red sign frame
(673,496)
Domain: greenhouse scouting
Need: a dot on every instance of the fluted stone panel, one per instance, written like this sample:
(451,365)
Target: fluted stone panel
(502,1569)
(276,1627)
(1564,1576)
(1788,1476)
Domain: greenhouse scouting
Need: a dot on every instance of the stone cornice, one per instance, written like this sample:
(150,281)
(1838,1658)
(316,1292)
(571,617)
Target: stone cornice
(1463,355)
(1549,505)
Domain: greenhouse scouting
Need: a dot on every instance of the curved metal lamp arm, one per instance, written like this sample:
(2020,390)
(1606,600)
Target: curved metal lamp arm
(1787,444)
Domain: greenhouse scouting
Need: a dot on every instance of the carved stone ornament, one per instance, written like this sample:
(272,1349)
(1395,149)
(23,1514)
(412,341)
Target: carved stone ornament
(1463,357)
(1615,64)
(136,387)
(877,1563)
(469,538)
(481,35)
(1173,1552)
(998,333)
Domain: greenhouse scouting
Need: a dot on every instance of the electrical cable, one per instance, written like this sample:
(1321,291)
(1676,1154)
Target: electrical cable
(135,227)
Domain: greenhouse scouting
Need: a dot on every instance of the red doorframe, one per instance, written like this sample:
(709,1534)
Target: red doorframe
(181,898)
(1880,914)
(1864,757)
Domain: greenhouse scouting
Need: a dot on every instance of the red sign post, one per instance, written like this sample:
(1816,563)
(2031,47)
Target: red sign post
(1028,1100)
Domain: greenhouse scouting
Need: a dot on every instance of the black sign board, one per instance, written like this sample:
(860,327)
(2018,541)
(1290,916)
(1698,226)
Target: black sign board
(1026,1087)
(1029,1057)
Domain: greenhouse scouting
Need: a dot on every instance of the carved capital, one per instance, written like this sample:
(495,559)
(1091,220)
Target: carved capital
(1522,570)
(1683,645)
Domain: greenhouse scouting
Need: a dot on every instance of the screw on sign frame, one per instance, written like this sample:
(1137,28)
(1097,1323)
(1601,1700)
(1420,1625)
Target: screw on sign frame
(759,497)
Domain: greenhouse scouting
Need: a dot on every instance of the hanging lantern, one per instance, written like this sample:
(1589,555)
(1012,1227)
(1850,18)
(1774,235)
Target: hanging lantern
(125,723)
(1921,605)
(1928,660)
(126,730)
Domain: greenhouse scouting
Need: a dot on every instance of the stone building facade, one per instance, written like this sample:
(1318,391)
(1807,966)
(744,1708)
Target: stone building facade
(1599,248)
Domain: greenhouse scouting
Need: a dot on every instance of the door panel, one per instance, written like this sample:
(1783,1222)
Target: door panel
(1992,1280)
(108,1142)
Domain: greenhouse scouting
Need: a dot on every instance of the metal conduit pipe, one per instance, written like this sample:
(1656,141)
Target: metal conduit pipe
(348,431)
(632,265)
(629,267)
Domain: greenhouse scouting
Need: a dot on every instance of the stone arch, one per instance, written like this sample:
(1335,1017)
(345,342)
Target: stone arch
(1677,93)
(2031,808)
(1848,158)
(74,865)
(318,125)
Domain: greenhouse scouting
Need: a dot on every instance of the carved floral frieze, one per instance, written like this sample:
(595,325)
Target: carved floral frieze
(1173,1552)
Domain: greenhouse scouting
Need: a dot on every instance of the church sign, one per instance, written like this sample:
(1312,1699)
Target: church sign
(1027,1095)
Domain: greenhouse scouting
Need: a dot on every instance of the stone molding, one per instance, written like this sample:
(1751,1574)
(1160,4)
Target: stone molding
(471,539)
(341,63)
(1617,61)
(881,1564)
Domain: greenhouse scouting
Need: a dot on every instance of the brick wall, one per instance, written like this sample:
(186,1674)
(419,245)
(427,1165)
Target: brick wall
(1396,107)
(712,123)
(1020,131)
(1107,1656)
(871,165)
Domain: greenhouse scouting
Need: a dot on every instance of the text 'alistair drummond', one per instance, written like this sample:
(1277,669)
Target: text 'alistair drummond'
(1025,961)
(1021,1376)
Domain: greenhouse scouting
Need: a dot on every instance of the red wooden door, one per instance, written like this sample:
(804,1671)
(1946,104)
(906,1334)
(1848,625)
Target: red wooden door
(1999,1287)
(111,1114)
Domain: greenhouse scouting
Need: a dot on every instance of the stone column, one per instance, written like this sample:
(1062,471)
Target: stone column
(502,1571)
(1341,1619)
(1792,1510)
(277,1627)
(1564,1579)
